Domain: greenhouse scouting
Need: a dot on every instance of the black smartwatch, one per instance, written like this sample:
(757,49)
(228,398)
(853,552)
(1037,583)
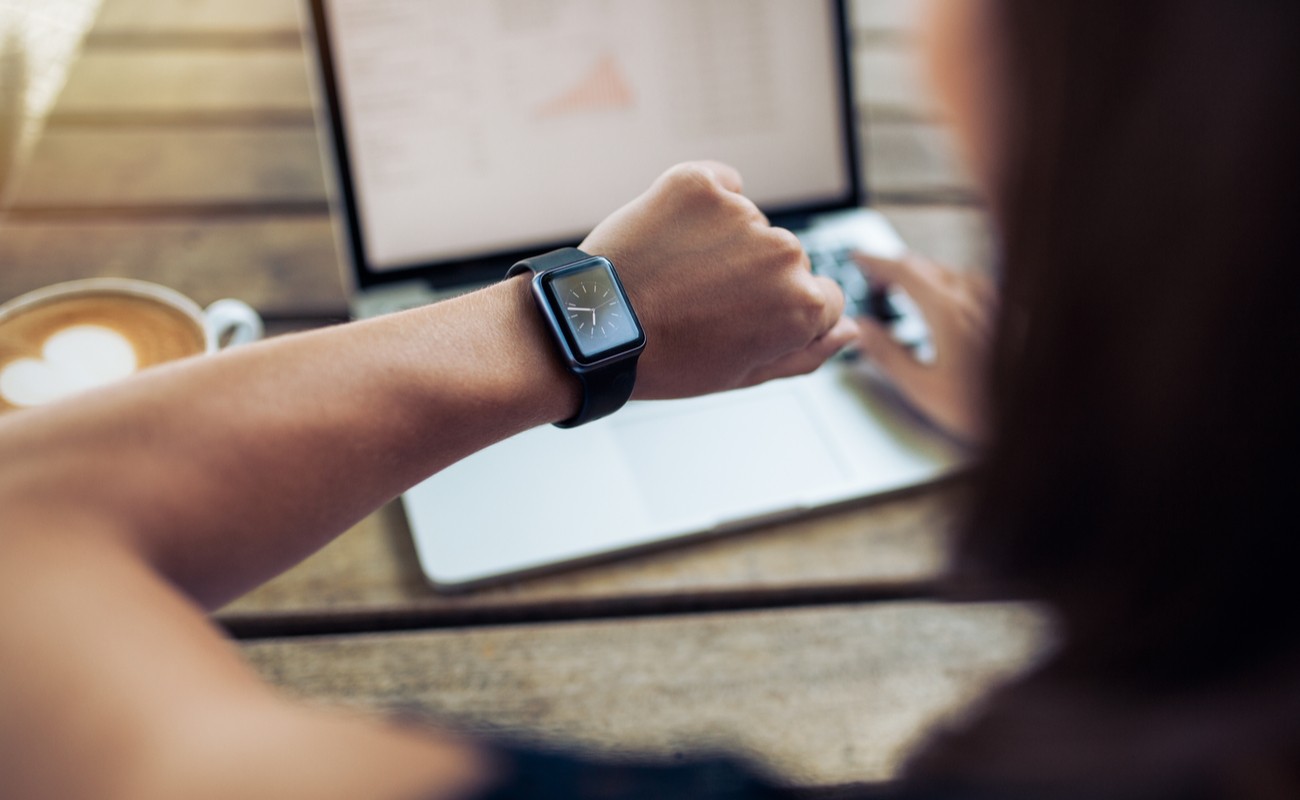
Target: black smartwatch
(593,324)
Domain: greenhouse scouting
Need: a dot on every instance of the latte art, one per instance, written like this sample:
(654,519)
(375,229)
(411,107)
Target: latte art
(72,343)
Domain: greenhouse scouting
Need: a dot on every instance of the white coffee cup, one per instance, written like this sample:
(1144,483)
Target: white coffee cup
(69,337)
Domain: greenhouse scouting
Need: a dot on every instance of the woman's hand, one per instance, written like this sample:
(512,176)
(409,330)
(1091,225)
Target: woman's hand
(959,309)
(726,299)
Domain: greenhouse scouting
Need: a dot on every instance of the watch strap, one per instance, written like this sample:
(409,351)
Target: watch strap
(606,390)
(603,392)
(556,258)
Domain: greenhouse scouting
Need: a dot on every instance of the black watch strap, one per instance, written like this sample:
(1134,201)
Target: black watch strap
(551,260)
(603,393)
(606,390)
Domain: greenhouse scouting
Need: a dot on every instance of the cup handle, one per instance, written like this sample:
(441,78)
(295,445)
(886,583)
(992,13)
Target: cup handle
(230,323)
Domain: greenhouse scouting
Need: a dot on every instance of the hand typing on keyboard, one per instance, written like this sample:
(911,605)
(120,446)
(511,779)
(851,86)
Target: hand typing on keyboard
(876,300)
(943,372)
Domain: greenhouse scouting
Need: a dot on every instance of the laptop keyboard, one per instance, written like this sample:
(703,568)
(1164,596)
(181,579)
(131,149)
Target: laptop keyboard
(888,306)
(837,264)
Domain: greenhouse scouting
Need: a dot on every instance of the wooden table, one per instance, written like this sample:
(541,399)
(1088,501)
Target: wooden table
(182,150)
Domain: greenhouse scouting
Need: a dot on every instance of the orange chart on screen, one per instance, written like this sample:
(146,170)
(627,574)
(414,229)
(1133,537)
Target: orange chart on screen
(603,87)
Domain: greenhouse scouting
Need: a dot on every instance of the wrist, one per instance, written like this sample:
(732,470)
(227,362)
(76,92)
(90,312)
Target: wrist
(594,329)
(543,382)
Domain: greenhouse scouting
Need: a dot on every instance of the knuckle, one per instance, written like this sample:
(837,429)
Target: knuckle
(691,179)
(786,246)
(808,308)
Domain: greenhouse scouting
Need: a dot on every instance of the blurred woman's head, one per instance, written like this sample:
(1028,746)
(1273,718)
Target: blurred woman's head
(1142,163)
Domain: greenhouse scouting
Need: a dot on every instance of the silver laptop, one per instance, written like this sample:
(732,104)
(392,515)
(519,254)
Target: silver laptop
(463,135)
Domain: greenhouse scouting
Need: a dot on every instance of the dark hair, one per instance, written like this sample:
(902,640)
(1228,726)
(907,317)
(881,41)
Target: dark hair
(1143,474)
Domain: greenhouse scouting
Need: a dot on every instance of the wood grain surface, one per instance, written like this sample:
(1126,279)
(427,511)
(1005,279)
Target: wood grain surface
(208,18)
(370,575)
(282,265)
(93,168)
(177,84)
(892,82)
(824,696)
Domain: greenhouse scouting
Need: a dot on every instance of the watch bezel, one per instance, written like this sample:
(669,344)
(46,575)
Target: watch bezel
(555,317)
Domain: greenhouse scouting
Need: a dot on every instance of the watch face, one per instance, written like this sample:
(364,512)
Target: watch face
(589,302)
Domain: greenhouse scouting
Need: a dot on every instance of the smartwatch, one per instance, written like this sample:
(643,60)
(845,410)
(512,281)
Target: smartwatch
(594,327)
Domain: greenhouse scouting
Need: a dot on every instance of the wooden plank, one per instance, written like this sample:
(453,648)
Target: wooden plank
(372,569)
(279,264)
(87,168)
(202,16)
(824,696)
(914,160)
(892,84)
(139,83)
(959,237)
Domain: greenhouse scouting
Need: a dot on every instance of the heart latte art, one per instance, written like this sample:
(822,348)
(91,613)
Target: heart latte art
(74,359)
(70,344)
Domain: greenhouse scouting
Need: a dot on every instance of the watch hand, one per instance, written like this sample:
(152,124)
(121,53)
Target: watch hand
(576,308)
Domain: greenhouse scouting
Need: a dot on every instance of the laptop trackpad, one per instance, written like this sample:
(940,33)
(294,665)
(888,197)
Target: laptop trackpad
(701,462)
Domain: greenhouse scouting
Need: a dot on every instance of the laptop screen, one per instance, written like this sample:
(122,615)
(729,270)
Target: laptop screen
(468,128)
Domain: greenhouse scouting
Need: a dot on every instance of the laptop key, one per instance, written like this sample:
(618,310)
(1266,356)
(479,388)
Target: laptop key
(863,299)
(880,307)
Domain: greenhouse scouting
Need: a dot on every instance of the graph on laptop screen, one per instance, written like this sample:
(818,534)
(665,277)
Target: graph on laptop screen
(476,126)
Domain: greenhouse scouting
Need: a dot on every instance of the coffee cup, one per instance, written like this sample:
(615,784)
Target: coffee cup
(70,337)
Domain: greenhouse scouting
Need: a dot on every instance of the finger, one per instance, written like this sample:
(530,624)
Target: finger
(894,359)
(983,287)
(833,303)
(921,278)
(800,362)
(844,333)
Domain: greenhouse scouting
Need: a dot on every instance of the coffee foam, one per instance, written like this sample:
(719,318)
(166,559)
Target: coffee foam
(73,360)
(69,344)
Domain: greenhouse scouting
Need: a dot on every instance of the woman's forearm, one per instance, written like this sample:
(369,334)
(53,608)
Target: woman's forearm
(224,470)
(197,480)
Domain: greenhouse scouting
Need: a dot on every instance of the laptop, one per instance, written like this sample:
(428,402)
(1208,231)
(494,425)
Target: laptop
(463,135)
